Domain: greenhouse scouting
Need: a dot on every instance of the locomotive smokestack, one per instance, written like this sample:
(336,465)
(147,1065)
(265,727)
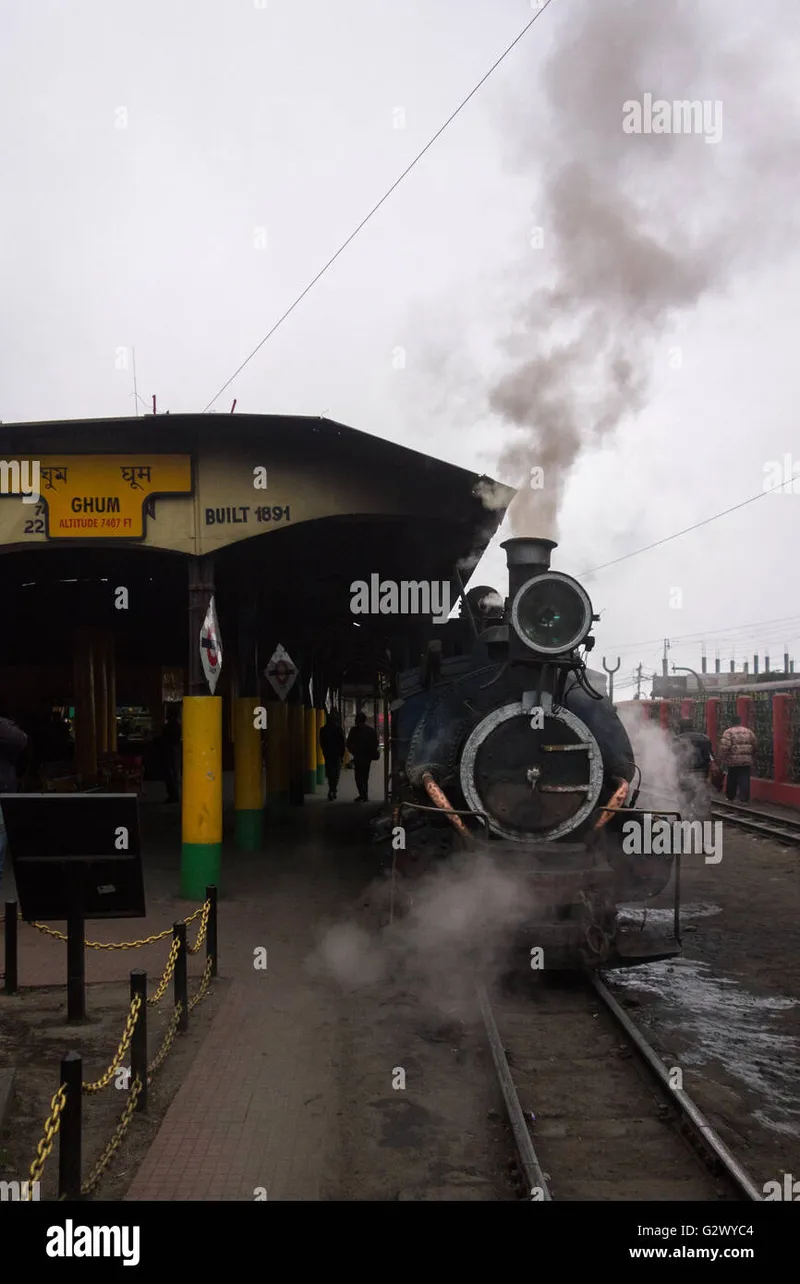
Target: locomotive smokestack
(526,558)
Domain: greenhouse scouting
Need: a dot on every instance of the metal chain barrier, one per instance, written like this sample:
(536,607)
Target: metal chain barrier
(115,1142)
(205,910)
(128,945)
(205,981)
(103,945)
(130,1026)
(160,1057)
(59,1101)
(170,968)
(136,1087)
(45,1146)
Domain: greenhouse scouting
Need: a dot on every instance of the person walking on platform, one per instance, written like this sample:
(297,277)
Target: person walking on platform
(363,745)
(171,744)
(13,743)
(737,751)
(331,740)
(695,756)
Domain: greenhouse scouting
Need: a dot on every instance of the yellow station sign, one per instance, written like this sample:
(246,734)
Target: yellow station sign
(192,504)
(104,496)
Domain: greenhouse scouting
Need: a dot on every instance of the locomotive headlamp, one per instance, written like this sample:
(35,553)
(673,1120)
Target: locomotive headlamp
(551,614)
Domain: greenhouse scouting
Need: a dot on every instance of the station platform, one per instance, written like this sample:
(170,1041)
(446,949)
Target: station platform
(252,1112)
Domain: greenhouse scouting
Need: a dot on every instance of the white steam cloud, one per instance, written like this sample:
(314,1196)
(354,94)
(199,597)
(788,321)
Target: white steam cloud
(464,921)
(636,228)
(666,785)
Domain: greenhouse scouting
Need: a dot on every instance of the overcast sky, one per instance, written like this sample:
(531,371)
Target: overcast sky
(175,173)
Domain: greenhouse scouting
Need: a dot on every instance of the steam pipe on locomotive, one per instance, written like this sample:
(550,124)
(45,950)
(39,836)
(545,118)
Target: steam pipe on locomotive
(507,748)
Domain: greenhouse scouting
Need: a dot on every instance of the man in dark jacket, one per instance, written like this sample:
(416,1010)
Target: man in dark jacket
(331,740)
(363,745)
(13,744)
(695,757)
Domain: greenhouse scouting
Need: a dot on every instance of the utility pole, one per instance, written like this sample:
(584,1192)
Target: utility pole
(638,695)
(611,673)
(664,665)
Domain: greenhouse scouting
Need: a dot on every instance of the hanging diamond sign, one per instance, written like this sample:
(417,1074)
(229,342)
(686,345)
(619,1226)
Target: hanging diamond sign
(211,647)
(281,672)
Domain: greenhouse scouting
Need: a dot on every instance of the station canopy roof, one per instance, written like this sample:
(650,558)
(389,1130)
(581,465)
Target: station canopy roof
(340,506)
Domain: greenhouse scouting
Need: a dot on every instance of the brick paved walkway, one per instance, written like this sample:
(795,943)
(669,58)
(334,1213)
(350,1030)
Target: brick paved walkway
(254,1110)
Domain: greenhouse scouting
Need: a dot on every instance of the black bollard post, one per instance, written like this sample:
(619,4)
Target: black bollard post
(12,955)
(69,1135)
(139,1038)
(181,985)
(211,930)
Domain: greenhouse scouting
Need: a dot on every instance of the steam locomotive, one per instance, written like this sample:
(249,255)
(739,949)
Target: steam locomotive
(508,749)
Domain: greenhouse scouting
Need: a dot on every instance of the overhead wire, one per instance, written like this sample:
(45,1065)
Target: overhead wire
(544,5)
(701,634)
(686,530)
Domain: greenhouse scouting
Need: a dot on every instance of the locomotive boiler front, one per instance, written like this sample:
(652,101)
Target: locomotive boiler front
(531,764)
(534,772)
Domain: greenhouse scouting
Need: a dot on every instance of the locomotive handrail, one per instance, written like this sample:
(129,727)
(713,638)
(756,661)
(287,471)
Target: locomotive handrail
(642,811)
(445,811)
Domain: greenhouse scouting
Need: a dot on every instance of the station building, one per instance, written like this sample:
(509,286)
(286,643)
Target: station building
(256,568)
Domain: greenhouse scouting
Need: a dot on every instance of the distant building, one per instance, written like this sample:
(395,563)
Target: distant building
(675,686)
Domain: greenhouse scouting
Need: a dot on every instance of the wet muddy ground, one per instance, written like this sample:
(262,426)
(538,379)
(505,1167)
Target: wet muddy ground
(728,1011)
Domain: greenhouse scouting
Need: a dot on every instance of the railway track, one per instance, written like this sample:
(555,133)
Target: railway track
(595,1113)
(785,829)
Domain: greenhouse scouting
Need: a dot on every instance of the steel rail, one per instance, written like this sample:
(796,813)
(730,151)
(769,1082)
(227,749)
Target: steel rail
(534,1176)
(788,830)
(746,810)
(695,1117)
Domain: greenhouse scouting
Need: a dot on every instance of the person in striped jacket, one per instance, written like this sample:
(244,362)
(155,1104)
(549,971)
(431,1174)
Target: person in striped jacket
(737,753)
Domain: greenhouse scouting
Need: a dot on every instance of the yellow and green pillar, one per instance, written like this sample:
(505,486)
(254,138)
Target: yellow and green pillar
(248,794)
(277,754)
(201,849)
(249,730)
(201,853)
